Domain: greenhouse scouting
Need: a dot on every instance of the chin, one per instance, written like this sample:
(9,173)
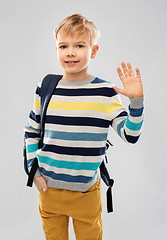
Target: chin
(73,72)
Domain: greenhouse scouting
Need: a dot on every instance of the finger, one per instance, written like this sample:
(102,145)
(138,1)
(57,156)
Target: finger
(138,73)
(130,69)
(121,76)
(125,70)
(38,187)
(43,185)
(45,188)
(118,90)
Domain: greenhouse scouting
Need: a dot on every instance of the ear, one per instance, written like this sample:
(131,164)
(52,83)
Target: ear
(94,50)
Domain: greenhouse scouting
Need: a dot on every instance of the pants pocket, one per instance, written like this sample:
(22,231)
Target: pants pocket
(95,187)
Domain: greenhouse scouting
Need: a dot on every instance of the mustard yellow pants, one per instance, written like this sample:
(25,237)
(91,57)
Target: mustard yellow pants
(85,209)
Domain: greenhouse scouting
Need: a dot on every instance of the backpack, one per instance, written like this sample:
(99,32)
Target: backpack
(48,85)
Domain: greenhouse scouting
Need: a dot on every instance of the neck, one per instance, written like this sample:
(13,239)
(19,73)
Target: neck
(75,76)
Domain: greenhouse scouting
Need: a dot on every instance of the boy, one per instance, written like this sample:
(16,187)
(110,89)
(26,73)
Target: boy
(78,117)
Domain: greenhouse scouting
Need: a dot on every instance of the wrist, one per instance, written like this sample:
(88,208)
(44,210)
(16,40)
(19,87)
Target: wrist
(137,102)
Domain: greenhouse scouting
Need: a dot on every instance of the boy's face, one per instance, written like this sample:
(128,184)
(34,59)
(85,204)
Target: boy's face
(74,53)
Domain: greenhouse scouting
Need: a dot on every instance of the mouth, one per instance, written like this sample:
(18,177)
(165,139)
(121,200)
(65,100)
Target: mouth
(71,62)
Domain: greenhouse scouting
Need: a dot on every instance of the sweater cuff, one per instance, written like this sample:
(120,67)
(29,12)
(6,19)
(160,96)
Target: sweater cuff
(37,174)
(137,102)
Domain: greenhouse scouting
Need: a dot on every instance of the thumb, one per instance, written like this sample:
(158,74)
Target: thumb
(119,90)
(44,185)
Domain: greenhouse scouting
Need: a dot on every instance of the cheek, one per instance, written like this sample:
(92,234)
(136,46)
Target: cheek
(60,56)
(87,59)
(86,56)
(89,54)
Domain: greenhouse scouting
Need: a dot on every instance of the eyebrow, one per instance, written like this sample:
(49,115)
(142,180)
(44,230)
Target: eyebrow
(66,42)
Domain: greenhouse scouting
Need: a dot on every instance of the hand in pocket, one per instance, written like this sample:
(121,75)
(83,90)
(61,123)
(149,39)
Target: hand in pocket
(40,183)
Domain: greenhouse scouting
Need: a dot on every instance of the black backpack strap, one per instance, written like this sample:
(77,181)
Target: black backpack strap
(108,181)
(48,85)
(109,197)
(32,172)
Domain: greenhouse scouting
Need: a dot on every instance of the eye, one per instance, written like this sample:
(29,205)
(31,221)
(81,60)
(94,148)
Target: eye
(63,46)
(80,46)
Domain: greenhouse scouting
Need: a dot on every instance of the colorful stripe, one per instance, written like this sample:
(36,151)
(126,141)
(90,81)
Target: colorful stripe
(72,136)
(85,106)
(77,121)
(37,104)
(65,177)
(133,126)
(130,138)
(81,151)
(92,166)
(120,126)
(103,91)
(34,117)
(32,148)
(136,112)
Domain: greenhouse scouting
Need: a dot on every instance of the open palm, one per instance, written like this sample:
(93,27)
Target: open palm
(132,85)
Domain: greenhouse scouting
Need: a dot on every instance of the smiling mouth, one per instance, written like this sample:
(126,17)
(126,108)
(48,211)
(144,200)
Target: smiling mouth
(71,61)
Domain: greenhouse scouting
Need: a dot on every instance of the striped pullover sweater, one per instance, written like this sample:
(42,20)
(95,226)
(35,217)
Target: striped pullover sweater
(76,127)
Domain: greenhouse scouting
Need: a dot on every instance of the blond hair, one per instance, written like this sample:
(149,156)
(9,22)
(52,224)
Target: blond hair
(78,24)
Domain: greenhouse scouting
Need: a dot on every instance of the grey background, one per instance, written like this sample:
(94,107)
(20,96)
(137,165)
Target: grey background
(133,31)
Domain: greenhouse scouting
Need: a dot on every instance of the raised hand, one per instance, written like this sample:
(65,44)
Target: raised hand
(132,85)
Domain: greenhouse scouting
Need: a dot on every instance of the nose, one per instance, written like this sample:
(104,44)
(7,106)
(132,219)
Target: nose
(70,52)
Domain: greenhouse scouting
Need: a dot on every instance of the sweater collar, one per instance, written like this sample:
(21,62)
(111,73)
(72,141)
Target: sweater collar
(79,82)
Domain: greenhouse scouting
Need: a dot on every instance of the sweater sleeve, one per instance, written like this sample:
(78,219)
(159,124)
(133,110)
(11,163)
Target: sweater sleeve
(128,124)
(32,131)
